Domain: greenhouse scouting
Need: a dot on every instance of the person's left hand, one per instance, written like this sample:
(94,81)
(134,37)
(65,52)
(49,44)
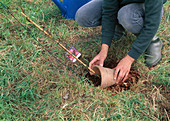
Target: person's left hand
(122,69)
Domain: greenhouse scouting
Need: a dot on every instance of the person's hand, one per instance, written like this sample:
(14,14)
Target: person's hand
(99,59)
(122,69)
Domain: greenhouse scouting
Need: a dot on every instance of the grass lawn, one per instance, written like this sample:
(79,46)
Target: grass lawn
(37,81)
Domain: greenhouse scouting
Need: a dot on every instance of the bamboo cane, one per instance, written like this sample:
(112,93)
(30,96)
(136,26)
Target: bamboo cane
(57,42)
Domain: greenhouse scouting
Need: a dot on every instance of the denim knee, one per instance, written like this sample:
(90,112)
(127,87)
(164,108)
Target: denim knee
(81,19)
(131,17)
(90,14)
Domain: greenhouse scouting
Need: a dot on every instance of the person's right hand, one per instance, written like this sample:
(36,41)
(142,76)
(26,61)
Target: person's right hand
(99,59)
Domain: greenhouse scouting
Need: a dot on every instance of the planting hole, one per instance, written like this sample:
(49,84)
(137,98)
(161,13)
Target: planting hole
(132,79)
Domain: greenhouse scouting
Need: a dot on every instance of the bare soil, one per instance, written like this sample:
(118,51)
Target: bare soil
(132,79)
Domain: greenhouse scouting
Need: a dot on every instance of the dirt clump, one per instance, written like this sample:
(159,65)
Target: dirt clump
(132,79)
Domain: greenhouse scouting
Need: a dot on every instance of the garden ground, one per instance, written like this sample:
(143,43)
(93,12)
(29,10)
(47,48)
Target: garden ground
(37,82)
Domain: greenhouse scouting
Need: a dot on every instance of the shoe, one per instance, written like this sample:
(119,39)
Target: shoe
(119,32)
(153,52)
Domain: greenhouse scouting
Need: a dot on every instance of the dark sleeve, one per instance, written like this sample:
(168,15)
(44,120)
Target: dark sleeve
(152,18)
(109,17)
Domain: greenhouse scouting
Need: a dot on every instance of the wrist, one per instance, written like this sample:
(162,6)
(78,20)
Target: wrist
(104,48)
(130,59)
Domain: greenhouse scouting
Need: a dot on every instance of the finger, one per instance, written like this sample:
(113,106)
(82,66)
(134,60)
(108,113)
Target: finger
(126,75)
(101,62)
(120,76)
(116,73)
(92,62)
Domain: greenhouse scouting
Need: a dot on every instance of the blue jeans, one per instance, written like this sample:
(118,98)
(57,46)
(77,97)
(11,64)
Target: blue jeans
(130,16)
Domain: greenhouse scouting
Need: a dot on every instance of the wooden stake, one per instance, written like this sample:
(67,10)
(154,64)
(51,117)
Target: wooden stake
(57,42)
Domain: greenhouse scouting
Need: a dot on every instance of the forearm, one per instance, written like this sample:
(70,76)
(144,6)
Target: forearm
(109,15)
(152,18)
